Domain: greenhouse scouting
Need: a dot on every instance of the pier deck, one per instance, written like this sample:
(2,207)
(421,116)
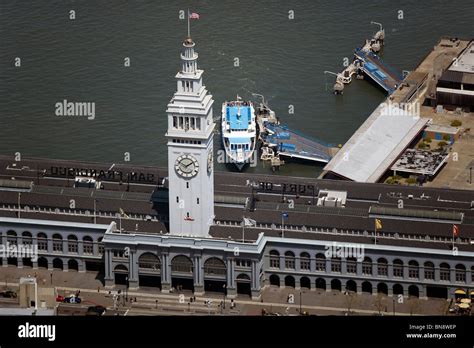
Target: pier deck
(292,144)
(378,71)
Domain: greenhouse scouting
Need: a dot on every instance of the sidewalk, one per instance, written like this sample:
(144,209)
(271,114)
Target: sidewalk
(273,299)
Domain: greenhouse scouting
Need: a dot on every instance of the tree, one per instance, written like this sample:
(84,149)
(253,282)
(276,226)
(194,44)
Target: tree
(351,299)
(380,303)
(414,305)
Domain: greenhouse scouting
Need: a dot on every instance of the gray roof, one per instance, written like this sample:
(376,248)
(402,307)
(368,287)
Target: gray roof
(373,148)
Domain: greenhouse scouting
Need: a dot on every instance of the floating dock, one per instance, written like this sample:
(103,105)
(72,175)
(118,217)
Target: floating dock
(367,62)
(290,143)
(378,71)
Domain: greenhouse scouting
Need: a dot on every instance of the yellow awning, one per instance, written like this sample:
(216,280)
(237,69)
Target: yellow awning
(460,292)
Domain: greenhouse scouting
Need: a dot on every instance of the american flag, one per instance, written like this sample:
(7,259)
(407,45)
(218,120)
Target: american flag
(194,15)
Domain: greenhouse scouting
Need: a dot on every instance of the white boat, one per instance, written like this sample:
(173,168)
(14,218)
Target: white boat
(239,131)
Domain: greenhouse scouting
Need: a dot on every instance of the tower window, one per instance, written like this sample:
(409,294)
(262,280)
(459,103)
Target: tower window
(197,200)
(186,123)
(187,185)
(198,123)
(175,122)
(192,122)
(177,199)
(181,122)
(187,214)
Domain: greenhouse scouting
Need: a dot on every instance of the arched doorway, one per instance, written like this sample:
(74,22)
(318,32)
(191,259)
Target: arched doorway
(382,288)
(320,284)
(275,280)
(182,273)
(305,282)
(72,265)
(367,287)
(336,284)
(290,282)
(243,285)
(397,289)
(413,291)
(215,275)
(42,262)
(58,264)
(149,270)
(351,286)
(27,262)
(121,275)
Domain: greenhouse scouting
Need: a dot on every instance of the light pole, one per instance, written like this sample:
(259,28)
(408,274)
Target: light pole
(126,288)
(19,206)
(95,211)
(301,294)
(225,288)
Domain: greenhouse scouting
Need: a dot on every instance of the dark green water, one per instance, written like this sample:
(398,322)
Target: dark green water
(82,60)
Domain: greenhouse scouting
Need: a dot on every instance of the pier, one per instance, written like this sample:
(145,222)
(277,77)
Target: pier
(290,143)
(367,62)
(279,141)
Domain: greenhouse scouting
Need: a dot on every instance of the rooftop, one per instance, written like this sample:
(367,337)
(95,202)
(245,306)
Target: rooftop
(378,142)
(465,61)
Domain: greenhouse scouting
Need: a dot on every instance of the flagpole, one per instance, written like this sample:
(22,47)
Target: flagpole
(189,32)
(282,227)
(375,230)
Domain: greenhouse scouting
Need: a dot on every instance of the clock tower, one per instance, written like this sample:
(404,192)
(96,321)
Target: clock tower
(190,150)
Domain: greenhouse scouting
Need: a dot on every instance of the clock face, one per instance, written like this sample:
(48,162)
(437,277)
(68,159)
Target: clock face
(209,162)
(186,166)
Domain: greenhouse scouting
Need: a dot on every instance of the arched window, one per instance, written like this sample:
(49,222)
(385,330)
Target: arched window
(26,238)
(88,245)
(72,244)
(12,238)
(57,243)
(321,262)
(214,266)
(444,272)
(351,265)
(42,241)
(413,270)
(289,260)
(336,265)
(429,270)
(304,261)
(460,273)
(367,266)
(382,267)
(149,261)
(274,259)
(181,264)
(398,268)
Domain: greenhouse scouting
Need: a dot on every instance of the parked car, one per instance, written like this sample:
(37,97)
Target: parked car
(72,299)
(60,298)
